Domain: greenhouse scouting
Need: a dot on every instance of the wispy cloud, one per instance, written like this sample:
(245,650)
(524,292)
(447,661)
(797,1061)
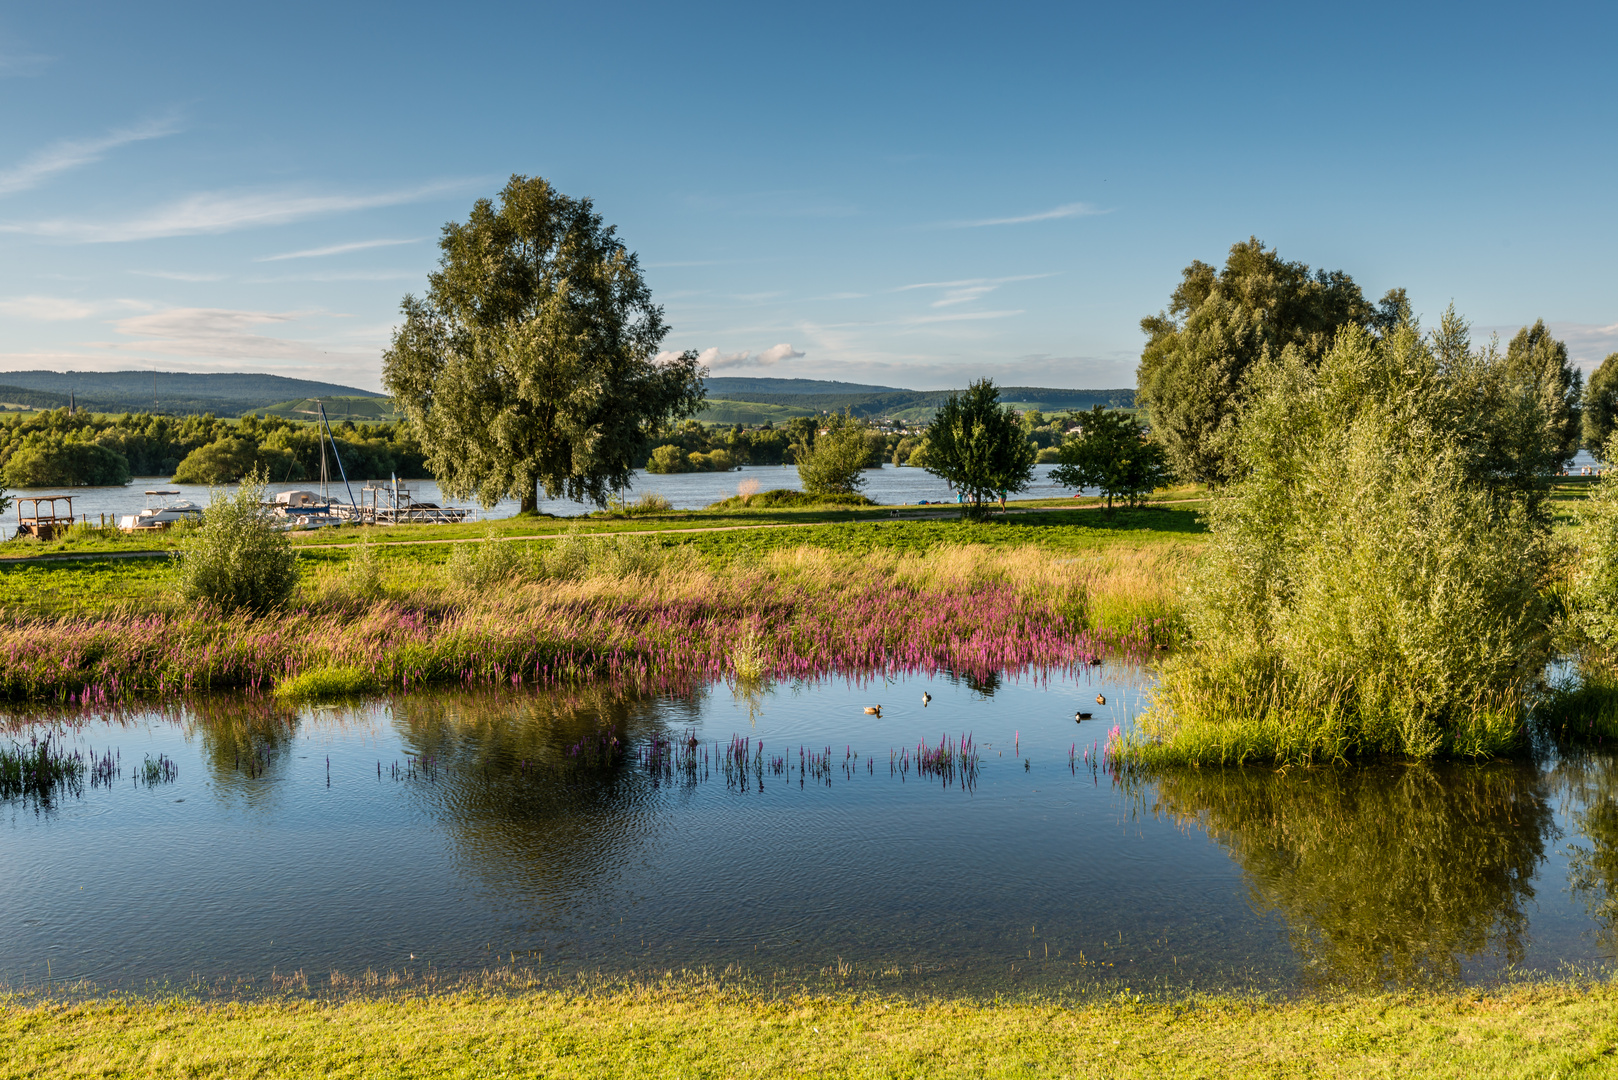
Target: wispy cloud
(339,249)
(178,275)
(222,334)
(1067,210)
(967,289)
(341,275)
(46,308)
(67,154)
(220,212)
(956,316)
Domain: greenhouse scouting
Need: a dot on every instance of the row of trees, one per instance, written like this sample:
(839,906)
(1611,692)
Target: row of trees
(62,449)
(533,362)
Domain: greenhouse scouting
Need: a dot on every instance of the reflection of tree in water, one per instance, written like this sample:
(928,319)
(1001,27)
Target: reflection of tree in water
(1383,875)
(505,786)
(245,740)
(1590,780)
(982,685)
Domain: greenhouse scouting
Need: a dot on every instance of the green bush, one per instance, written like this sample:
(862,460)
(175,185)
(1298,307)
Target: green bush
(669,459)
(579,555)
(484,564)
(835,464)
(1372,581)
(786,497)
(324,683)
(237,558)
(1592,595)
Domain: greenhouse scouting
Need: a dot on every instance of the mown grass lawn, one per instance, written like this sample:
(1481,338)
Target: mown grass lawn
(696,1031)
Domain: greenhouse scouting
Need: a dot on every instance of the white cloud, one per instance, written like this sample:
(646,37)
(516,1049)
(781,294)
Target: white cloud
(219,212)
(1067,210)
(715,360)
(71,153)
(338,249)
(223,334)
(46,308)
(777,353)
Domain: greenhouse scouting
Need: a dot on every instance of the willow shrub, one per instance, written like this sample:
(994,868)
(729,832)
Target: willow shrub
(237,559)
(1372,582)
(1585,709)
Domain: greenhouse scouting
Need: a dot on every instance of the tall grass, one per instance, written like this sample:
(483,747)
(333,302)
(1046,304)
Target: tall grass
(626,611)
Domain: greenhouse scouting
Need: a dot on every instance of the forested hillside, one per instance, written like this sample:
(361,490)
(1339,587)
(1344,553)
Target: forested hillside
(168,393)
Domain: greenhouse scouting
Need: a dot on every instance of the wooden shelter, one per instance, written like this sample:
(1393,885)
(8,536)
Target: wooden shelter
(47,523)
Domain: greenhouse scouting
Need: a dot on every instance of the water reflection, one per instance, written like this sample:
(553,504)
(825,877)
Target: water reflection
(1383,875)
(245,741)
(530,816)
(1591,783)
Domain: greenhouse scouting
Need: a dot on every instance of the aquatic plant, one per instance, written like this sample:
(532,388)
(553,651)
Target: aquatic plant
(41,771)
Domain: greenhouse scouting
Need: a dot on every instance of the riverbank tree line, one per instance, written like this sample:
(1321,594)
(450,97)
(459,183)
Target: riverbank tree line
(76,449)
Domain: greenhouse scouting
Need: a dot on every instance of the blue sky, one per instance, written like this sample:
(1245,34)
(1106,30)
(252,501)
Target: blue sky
(907,195)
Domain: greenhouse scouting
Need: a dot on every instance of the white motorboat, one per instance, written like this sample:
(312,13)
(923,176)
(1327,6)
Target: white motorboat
(163,508)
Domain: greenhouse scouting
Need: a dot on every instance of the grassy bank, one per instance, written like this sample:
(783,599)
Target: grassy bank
(690,1029)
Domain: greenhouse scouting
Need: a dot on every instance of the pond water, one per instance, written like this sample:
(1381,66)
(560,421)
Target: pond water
(459,831)
(889,485)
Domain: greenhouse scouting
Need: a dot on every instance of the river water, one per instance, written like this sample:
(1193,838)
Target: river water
(889,485)
(459,831)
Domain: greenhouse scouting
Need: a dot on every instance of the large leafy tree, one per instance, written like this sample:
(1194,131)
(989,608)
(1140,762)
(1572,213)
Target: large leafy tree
(1538,367)
(1218,324)
(1111,453)
(1601,406)
(532,360)
(978,446)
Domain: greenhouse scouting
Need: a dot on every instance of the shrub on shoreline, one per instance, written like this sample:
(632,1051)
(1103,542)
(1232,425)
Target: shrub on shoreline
(1373,580)
(236,558)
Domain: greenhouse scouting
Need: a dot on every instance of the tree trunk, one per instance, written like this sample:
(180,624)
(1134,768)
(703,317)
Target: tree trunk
(530,500)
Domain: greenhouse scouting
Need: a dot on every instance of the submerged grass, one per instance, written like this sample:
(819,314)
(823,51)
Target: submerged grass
(692,1027)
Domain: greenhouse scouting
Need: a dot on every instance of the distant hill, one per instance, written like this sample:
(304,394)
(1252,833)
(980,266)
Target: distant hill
(173,392)
(729,388)
(728,400)
(364,409)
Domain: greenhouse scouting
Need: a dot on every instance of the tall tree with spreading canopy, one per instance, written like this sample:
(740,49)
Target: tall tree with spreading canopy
(1601,407)
(1218,324)
(532,360)
(978,446)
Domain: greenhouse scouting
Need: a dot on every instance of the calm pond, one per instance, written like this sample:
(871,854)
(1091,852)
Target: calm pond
(459,831)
